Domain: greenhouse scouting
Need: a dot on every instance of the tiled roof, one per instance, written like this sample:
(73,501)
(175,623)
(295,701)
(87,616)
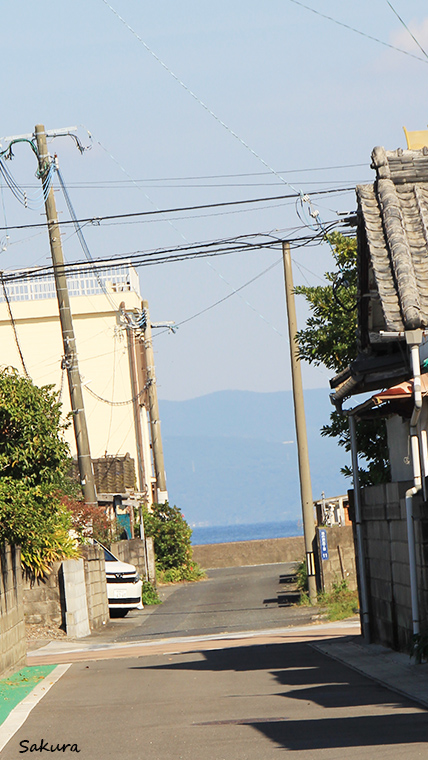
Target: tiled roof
(395,225)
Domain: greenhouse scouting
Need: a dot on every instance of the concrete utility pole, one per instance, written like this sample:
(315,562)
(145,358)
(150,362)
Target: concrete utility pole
(152,394)
(302,439)
(70,355)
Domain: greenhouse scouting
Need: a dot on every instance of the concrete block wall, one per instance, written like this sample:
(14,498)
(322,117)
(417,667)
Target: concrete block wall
(387,563)
(132,551)
(96,585)
(258,552)
(42,598)
(76,607)
(13,649)
(341,562)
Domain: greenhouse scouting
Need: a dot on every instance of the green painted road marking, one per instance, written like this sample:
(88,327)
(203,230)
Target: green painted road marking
(17,686)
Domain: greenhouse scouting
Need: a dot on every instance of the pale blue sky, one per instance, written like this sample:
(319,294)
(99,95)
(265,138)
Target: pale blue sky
(303,92)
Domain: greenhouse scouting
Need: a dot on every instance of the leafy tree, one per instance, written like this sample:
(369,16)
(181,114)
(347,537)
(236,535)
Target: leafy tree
(34,459)
(329,338)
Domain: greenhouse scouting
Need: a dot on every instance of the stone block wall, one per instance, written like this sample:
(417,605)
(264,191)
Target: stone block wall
(76,606)
(341,562)
(13,649)
(258,552)
(42,598)
(387,563)
(96,585)
(47,600)
(132,551)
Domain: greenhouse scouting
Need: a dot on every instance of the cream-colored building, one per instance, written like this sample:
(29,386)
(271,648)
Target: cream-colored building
(106,309)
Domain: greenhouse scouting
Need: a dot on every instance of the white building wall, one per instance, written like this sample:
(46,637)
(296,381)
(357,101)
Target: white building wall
(102,355)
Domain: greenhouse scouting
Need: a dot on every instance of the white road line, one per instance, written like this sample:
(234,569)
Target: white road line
(20,713)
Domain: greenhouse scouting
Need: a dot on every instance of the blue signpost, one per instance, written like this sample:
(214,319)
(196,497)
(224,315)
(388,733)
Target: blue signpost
(323,544)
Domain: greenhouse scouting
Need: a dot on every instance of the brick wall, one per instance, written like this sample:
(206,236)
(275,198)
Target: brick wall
(13,650)
(387,563)
(96,586)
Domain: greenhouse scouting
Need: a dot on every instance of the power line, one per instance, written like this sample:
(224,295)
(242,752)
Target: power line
(109,183)
(357,31)
(407,29)
(225,298)
(197,98)
(242,244)
(180,233)
(98,219)
(13,323)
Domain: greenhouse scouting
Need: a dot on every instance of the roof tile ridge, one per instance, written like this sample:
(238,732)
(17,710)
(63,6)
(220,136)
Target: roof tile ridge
(399,249)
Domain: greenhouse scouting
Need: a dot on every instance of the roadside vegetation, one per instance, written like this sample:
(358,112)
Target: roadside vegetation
(171,535)
(149,594)
(34,460)
(340,603)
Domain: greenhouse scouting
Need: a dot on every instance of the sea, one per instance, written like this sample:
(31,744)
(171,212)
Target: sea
(219,534)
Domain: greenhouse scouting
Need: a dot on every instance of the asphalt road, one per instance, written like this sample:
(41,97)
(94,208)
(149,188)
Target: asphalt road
(244,699)
(229,600)
(250,702)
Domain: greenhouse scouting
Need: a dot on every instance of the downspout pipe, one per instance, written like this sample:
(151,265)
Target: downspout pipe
(414,339)
(365,616)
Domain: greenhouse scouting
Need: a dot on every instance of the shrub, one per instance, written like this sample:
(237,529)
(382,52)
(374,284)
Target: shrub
(33,461)
(171,536)
(90,522)
(35,518)
(149,594)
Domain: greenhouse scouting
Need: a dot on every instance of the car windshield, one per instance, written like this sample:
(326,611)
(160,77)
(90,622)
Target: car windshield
(108,556)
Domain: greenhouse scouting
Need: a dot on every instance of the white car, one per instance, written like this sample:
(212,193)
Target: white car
(124,585)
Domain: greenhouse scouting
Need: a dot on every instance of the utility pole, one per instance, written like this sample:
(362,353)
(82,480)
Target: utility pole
(302,439)
(70,355)
(152,395)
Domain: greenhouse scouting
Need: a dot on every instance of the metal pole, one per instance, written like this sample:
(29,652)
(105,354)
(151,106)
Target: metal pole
(155,428)
(302,440)
(70,355)
(365,617)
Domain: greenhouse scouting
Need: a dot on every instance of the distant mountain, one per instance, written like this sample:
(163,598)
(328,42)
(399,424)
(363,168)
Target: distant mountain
(231,456)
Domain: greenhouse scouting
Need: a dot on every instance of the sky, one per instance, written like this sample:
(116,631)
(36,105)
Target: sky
(195,103)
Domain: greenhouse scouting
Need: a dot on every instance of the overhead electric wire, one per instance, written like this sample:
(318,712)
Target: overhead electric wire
(152,257)
(180,232)
(129,215)
(304,198)
(407,29)
(109,183)
(32,202)
(12,320)
(357,31)
(82,240)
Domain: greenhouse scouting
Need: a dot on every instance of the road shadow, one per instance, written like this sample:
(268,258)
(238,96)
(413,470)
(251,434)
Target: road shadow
(304,675)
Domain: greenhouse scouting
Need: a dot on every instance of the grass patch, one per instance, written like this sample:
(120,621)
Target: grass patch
(190,573)
(340,603)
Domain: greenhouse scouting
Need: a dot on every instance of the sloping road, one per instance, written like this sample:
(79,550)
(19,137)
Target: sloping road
(236,698)
(229,600)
